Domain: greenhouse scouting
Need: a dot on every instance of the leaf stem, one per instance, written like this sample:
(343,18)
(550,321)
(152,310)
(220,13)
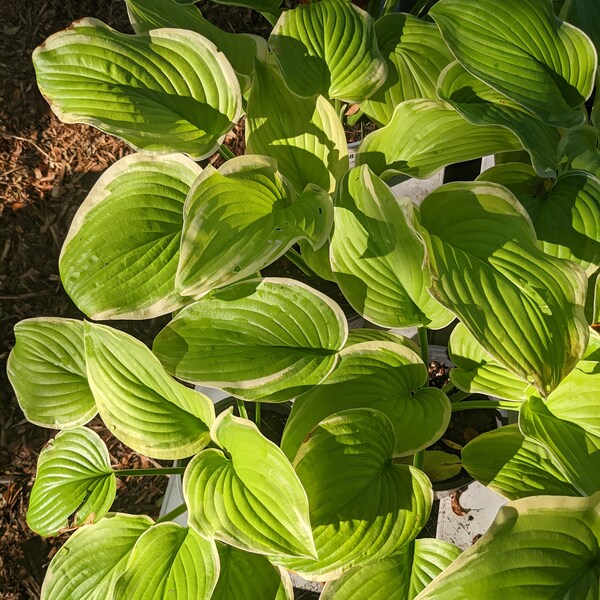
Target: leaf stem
(173,514)
(355,118)
(337,104)
(419,7)
(225,152)
(448,387)
(419,457)
(459,396)
(242,408)
(257,414)
(141,472)
(296,258)
(423,344)
(491,404)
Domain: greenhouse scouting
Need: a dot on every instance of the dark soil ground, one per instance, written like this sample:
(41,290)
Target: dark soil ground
(46,170)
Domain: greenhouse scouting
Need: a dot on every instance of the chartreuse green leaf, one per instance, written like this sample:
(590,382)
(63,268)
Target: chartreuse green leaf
(91,561)
(539,548)
(592,353)
(415,54)
(163,91)
(358,336)
(363,508)
(240,48)
(522,50)
(249,576)
(141,405)
(480,104)
(584,14)
(524,307)
(250,497)
(578,149)
(444,137)
(241,218)
(477,372)
(328,48)
(514,466)
(46,368)
(565,213)
(573,449)
(381,375)
(268,339)
(304,135)
(120,256)
(400,577)
(169,561)
(577,398)
(73,477)
(377,257)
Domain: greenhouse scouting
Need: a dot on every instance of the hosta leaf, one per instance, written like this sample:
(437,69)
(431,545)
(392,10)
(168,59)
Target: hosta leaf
(363,508)
(91,561)
(522,50)
(483,105)
(444,138)
(565,213)
(269,339)
(73,477)
(377,258)
(249,576)
(358,336)
(578,149)
(304,135)
(574,450)
(251,498)
(514,466)
(241,218)
(383,376)
(120,256)
(439,465)
(141,405)
(577,398)
(46,368)
(540,548)
(169,561)
(317,260)
(524,307)
(477,372)
(400,577)
(240,49)
(328,48)
(163,91)
(584,14)
(415,54)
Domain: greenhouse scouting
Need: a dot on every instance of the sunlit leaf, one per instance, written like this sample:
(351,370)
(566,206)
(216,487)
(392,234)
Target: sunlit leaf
(143,406)
(73,478)
(328,48)
(164,91)
(269,339)
(120,256)
(250,498)
(522,50)
(46,368)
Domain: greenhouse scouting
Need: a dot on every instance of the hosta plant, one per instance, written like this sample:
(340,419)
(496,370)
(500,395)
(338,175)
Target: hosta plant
(510,260)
